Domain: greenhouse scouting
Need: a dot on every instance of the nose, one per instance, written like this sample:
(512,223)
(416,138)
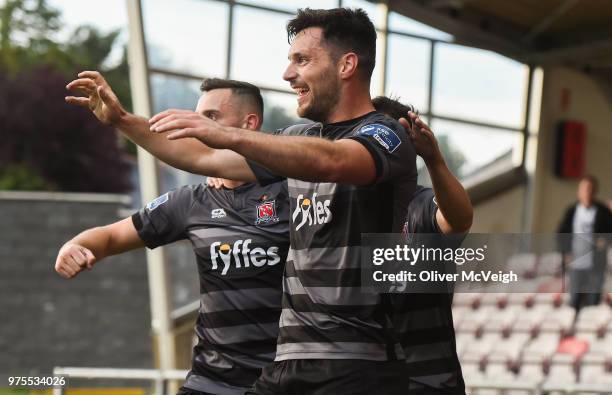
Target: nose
(290,73)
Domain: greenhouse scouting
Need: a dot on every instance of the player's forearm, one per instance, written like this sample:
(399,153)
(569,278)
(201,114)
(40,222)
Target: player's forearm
(453,200)
(97,240)
(188,154)
(303,158)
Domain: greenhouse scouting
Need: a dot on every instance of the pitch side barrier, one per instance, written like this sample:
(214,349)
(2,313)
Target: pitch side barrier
(483,262)
(159,378)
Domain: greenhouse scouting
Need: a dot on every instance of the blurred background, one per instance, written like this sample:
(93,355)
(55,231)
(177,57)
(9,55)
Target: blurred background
(518,93)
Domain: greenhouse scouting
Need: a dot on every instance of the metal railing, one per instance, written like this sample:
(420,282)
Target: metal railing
(159,378)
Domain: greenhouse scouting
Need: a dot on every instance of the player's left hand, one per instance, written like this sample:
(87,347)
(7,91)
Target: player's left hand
(425,143)
(181,124)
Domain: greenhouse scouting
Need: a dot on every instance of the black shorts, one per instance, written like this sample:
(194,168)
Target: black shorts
(332,377)
(189,391)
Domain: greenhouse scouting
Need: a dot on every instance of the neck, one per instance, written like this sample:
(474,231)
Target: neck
(231,184)
(354,102)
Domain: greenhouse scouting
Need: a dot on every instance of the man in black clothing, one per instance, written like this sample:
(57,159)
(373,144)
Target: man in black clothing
(589,222)
(240,235)
(424,322)
(353,174)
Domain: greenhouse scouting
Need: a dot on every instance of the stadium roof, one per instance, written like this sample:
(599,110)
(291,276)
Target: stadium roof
(574,33)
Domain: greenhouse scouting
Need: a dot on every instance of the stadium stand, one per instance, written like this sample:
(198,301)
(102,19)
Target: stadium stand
(534,337)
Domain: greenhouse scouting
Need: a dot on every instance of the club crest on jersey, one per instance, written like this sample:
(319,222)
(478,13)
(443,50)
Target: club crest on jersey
(383,135)
(157,202)
(311,211)
(266,213)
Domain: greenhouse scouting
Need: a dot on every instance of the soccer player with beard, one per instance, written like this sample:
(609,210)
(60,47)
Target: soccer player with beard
(240,236)
(350,173)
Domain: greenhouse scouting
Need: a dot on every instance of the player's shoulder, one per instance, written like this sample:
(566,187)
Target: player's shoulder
(421,199)
(191,193)
(301,129)
(378,118)
(422,192)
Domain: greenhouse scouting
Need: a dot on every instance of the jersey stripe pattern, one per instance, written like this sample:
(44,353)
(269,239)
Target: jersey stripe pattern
(425,321)
(241,240)
(327,313)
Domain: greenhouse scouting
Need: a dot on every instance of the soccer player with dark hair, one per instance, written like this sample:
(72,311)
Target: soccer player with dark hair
(350,173)
(240,236)
(431,353)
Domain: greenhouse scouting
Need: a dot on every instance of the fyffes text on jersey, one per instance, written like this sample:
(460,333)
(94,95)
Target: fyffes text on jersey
(242,255)
(311,211)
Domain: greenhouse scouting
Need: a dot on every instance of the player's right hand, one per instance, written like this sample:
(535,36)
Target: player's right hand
(99,97)
(214,182)
(73,259)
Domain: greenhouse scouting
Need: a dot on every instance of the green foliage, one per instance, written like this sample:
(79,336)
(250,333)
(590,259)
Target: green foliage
(23,178)
(27,41)
(48,144)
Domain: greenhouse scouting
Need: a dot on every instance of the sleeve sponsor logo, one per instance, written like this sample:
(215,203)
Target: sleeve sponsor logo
(158,202)
(383,135)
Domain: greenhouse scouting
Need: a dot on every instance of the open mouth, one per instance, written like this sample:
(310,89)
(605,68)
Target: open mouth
(301,93)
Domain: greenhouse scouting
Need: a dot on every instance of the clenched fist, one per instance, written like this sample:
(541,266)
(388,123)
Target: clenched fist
(73,259)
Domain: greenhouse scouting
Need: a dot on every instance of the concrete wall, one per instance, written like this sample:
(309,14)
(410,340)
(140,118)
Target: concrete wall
(101,318)
(588,104)
(502,213)
(550,195)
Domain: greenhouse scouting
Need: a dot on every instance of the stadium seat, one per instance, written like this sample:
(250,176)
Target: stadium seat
(530,320)
(467,299)
(549,264)
(562,369)
(523,264)
(541,348)
(560,321)
(475,320)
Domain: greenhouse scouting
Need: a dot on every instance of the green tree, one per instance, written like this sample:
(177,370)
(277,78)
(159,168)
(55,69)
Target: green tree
(48,144)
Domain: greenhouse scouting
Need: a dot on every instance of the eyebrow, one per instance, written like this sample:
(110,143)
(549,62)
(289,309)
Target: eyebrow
(208,112)
(294,55)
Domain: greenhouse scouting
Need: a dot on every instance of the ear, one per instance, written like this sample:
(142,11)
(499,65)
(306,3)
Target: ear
(252,122)
(348,65)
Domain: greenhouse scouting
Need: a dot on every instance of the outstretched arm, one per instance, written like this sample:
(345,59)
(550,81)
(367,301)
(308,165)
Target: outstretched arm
(306,158)
(189,154)
(94,244)
(455,211)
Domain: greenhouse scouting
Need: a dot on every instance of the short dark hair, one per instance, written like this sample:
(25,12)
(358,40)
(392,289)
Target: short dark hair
(240,88)
(349,30)
(392,107)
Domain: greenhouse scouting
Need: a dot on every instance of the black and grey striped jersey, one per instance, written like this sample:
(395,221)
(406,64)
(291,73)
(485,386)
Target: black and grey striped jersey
(240,237)
(326,312)
(425,321)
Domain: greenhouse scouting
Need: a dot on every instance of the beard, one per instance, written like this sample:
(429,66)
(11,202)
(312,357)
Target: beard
(322,100)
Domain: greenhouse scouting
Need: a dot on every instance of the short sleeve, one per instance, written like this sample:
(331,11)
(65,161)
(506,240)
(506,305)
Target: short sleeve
(165,219)
(421,216)
(390,147)
(265,176)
